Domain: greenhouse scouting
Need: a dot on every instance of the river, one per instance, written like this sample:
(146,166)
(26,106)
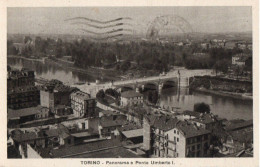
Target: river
(182,99)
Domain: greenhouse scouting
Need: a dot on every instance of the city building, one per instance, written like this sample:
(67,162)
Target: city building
(240,59)
(208,121)
(169,137)
(55,93)
(238,137)
(62,110)
(131,98)
(106,148)
(16,117)
(244,45)
(109,125)
(205,45)
(83,105)
(23,97)
(20,78)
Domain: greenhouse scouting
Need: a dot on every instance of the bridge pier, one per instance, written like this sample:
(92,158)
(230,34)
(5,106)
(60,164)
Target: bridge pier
(183,81)
(160,86)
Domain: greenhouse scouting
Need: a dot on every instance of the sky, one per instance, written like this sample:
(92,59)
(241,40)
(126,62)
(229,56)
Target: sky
(202,19)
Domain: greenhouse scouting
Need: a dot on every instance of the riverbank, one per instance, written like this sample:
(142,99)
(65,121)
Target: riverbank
(227,94)
(99,74)
(26,58)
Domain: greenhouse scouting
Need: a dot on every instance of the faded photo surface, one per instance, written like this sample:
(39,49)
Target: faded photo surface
(130,82)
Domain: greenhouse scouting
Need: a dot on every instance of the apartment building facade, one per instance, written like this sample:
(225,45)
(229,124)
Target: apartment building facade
(83,105)
(131,98)
(170,137)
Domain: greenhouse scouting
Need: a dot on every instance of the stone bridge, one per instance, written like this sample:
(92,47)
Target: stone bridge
(172,79)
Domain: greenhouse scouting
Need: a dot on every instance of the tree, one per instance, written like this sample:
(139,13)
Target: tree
(221,65)
(100,94)
(201,107)
(11,50)
(58,49)
(112,92)
(125,66)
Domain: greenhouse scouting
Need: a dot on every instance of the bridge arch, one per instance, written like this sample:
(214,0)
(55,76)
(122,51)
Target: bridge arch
(169,84)
(150,86)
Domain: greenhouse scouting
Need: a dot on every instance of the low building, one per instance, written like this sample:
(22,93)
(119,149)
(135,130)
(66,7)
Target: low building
(205,45)
(240,59)
(244,45)
(83,105)
(106,148)
(208,121)
(239,137)
(169,137)
(102,113)
(62,110)
(129,98)
(135,135)
(239,125)
(109,125)
(16,117)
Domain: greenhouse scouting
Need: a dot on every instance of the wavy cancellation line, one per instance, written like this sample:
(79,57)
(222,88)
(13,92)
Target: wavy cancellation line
(108,32)
(97,21)
(101,27)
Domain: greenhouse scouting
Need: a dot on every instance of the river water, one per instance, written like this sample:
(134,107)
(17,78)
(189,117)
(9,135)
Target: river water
(180,99)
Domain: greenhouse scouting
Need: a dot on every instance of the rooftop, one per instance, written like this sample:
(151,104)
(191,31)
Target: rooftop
(107,112)
(81,95)
(206,118)
(243,136)
(56,85)
(240,125)
(112,120)
(22,89)
(20,136)
(77,150)
(15,74)
(129,94)
(129,126)
(11,114)
(118,152)
(133,133)
(191,113)
(83,134)
(190,130)
(167,123)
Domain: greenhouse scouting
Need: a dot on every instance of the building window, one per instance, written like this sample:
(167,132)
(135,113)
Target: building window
(177,154)
(198,146)
(206,137)
(177,139)
(174,138)
(199,139)
(174,131)
(198,154)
